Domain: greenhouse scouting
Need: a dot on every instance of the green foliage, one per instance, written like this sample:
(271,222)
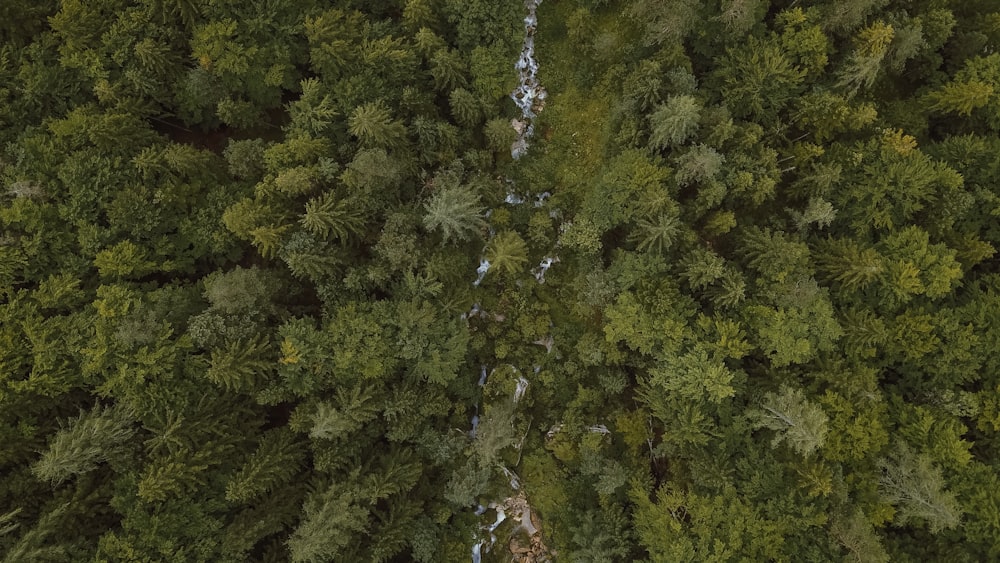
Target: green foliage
(674,122)
(125,259)
(238,243)
(278,457)
(682,526)
(507,252)
(91,439)
(657,235)
(916,488)
(796,421)
(239,365)
(373,125)
(455,211)
(695,376)
(856,534)
(758,79)
(331,516)
(329,217)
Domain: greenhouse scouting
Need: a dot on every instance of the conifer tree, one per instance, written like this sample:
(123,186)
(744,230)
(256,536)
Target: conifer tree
(866,61)
(796,421)
(507,252)
(327,216)
(674,122)
(91,439)
(455,211)
(758,79)
(961,97)
(331,519)
(373,125)
(912,483)
(278,457)
(657,235)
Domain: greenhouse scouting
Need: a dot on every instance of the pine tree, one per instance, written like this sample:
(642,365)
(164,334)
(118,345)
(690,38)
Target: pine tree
(778,256)
(601,535)
(495,433)
(36,544)
(819,212)
(279,456)
(271,516)
(913,484)
(240,365)
(644,84)
(296,181)
(856,534)
(393,528)
(729,290)
(507,252)
(327,217)
(866,61)
(702,267)
(960,97)
(700,164)
(864,333)
(465,108)
(390,475)
(328,527)
(665,22)
(758,79)
(89,440)
(674,122)
(657,235)
(314,111)
(448,69)
(177,474)
(796,420)
(269,239)
(456,211)
(696,377)
(847,15)
(419,14)
(123,260)
(352,409)
(847,263)
(373,125)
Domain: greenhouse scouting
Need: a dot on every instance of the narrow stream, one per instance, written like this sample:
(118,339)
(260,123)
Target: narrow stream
(530,98)
(529,95)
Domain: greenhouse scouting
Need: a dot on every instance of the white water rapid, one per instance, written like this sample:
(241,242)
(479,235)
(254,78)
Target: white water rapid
(529,95)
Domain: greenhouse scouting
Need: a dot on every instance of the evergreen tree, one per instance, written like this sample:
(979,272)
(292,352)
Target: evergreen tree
(796,421)
(373,125)
(327,216)
(913,484)
(278,458)
(507,252)
(674,122)
(91,439)
(331,518)
(455,211)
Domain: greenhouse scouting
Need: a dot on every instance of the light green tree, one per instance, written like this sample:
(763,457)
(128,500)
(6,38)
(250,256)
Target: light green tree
(89,440)
(796,421)
(507,252)
(674,122)
(916,487)
(454,210)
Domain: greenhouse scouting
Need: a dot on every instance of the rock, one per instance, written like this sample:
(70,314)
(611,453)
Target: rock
(517,548)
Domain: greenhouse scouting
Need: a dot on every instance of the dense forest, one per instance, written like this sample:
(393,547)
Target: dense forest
(302,280)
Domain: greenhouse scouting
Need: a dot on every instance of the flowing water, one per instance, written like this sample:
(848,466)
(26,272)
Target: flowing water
(529,97)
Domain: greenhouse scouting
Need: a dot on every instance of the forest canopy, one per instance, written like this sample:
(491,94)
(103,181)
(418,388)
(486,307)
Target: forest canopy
(343,280)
